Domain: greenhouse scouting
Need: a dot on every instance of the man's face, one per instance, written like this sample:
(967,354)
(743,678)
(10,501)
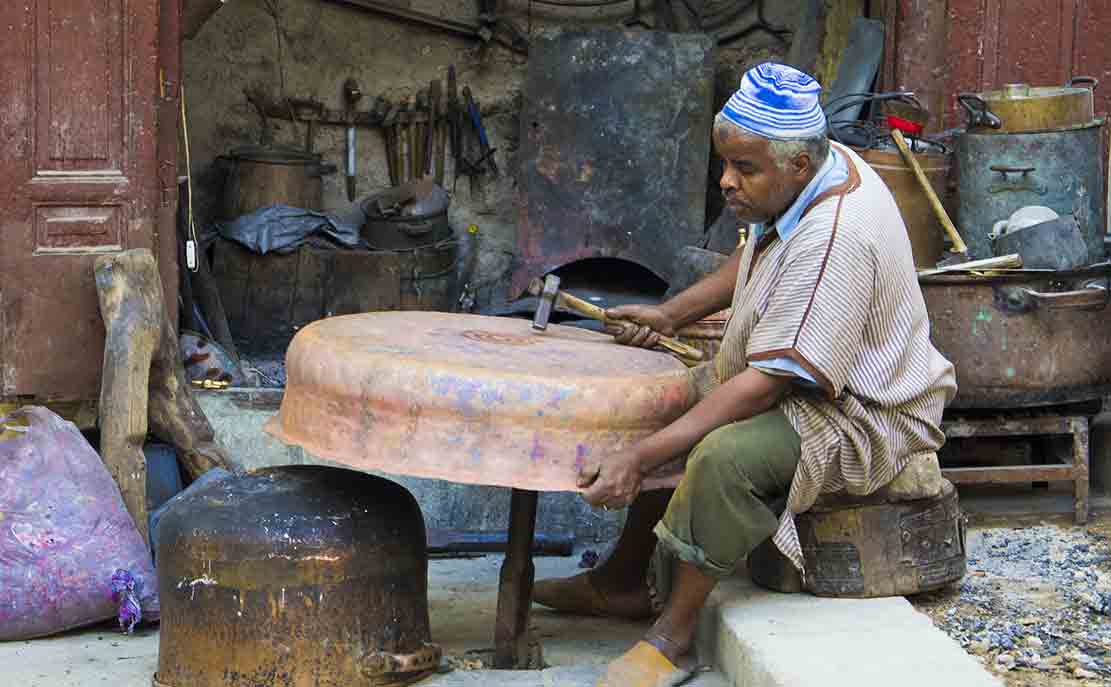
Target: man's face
(755,187)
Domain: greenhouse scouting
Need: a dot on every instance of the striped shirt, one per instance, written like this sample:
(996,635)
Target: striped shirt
(840,297)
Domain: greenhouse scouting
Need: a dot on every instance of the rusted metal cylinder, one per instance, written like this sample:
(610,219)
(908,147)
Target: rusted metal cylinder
(259,177)
(1023,339)
(297,576)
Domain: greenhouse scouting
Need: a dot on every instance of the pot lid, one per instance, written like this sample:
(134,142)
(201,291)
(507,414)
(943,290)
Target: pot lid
(467,398)
(278,155)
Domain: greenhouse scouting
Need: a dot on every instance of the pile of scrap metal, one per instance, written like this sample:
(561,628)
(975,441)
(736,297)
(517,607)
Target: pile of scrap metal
(1027,260)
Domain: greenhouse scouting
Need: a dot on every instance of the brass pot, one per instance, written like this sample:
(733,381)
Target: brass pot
(1021,108)
(923,227)
(297,576)
(258,177)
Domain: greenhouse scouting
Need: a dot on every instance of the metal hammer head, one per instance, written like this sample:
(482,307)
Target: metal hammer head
(546,290)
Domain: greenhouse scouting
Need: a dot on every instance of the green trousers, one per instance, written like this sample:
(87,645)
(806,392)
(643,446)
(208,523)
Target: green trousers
(720,512)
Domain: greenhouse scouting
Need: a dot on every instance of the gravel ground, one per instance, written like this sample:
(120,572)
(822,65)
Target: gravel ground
(1035,605)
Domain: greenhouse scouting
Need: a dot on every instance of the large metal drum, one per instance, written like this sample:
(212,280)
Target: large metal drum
(299,576)
(483,400)
(1000,173)
(1023,339)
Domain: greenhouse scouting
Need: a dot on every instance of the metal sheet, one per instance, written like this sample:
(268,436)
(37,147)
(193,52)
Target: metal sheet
(484,400)
(615,144)
(79,176)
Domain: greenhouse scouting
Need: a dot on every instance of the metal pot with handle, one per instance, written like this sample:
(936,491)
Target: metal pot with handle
(1021,108)
(998,174)
(1025,338)
(261,176)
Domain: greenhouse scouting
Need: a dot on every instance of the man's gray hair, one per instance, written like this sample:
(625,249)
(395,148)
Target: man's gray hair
(783,152)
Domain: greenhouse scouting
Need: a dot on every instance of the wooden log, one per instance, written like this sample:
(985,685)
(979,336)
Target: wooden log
(143,384)
(127,285)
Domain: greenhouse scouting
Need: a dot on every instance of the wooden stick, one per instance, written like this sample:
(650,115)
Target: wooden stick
(1013,260)
(587,309)
(939,210)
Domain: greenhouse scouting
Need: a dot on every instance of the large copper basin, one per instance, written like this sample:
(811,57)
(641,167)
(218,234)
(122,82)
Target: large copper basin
(473,399)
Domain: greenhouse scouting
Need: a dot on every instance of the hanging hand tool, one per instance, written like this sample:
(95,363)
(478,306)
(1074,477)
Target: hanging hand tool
(351,96)
(403,130)
(453,123)
(393,145)
(420,128)
(476,120)
(433,163)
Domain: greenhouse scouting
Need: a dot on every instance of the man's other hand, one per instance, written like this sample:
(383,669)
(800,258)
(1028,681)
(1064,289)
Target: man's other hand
(612,483)
(639,325)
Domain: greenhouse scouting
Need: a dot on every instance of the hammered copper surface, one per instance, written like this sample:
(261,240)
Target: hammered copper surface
(475,399)
(299,576)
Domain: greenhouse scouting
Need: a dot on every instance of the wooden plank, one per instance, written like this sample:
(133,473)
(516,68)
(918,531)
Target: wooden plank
(1010,473)
(363,282)
(964,429)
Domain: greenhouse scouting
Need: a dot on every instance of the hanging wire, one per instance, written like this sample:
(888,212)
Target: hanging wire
(192,227)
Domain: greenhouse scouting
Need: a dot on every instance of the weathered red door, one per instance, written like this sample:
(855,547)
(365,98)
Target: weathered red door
(79,176)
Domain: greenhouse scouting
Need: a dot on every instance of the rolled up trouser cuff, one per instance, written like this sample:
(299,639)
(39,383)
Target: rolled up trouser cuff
(691,553)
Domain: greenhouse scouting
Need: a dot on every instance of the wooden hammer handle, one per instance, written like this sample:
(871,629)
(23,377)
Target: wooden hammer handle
(593,312)
(939,210)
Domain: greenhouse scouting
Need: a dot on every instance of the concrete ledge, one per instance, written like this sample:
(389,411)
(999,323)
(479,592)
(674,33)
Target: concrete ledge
(759,638)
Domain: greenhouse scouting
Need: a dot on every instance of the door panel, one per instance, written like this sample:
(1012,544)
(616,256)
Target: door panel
(79,177)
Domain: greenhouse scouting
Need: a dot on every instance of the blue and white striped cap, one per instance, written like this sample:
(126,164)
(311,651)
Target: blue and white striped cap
(778,102)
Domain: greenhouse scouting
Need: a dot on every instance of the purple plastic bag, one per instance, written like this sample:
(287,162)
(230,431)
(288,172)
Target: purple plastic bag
(64,535)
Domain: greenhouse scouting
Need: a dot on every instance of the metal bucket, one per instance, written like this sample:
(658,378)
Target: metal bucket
(258,177)
(1023,339)
(1000,173)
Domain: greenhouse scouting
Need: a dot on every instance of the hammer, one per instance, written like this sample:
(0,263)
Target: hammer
(547,290)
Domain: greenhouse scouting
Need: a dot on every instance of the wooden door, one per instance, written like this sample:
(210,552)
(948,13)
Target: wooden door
(85,87)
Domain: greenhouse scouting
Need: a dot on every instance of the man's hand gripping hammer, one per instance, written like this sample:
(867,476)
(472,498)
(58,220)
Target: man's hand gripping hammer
(547,290)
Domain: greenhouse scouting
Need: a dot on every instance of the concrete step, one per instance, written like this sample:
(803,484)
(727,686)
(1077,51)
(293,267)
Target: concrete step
(759,638)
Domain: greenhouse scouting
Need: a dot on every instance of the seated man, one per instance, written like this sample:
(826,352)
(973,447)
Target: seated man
(826,379)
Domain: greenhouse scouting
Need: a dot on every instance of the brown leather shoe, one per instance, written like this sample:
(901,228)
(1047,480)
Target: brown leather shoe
(578,595)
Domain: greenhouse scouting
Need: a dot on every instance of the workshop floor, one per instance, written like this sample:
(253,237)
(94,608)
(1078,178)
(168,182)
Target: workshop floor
(462,598)
(462,595)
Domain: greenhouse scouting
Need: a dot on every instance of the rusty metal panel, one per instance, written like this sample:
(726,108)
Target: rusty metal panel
(615,144)
(79,177)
